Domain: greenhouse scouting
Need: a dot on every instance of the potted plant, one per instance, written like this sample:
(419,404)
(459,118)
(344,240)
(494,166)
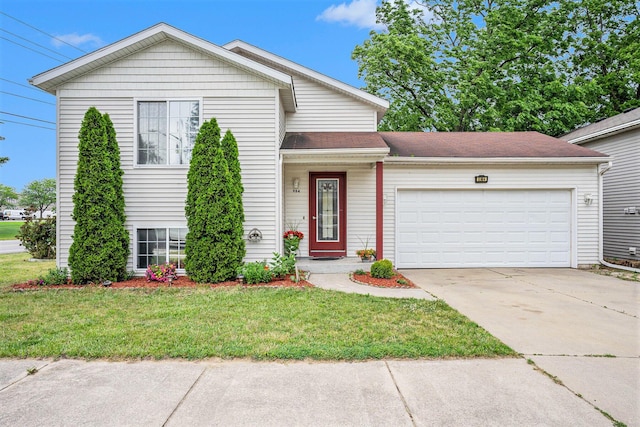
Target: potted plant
(292,241)
(366,254)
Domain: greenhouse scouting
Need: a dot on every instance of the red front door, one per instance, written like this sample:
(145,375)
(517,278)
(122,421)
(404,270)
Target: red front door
(328,214)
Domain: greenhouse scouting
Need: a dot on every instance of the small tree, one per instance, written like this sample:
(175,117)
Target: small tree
(214,244)
(39,195)
(7,195)
(97,251)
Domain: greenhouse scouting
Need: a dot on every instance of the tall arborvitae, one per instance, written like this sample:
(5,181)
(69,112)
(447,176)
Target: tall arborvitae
(230,149)
(121,256)
(98,251)
(214,241)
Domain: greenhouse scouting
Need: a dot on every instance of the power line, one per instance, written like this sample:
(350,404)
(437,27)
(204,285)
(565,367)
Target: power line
(34,43)
(26,97)
(23,85)
(33,50)
(39,30)
(27,117)
(27,124)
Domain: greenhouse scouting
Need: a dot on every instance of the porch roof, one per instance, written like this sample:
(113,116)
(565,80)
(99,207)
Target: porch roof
(332,140)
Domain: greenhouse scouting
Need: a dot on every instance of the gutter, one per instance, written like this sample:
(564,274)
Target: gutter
(601,172)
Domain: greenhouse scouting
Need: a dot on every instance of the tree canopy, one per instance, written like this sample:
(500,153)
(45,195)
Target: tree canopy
(39,194)
(7,195)
(509,65)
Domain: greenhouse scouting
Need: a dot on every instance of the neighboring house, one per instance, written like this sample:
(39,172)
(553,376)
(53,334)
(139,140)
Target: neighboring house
(618,137)
(311,156)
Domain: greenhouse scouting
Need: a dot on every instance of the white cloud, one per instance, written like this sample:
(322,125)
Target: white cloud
(78,40)
(362,13)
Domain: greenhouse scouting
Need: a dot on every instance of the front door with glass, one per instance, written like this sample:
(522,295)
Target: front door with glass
(327,214)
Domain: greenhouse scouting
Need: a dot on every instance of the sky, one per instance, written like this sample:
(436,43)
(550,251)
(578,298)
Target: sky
(38,35)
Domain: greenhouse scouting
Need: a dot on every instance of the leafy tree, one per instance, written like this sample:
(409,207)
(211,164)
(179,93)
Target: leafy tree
(7,195)
(3,160)
(39,194)
(488,65)
(97,252)
(214,245)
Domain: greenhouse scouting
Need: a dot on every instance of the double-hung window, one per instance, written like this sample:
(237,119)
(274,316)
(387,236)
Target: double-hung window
(167,131)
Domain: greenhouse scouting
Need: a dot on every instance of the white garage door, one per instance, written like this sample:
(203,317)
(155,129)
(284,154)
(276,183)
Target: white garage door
(483,228)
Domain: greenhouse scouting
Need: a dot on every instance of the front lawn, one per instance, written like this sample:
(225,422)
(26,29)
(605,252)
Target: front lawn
(234,323)
(9,229)
(201,322)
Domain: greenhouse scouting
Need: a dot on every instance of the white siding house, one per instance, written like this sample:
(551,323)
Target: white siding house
(311,158)
(619,137)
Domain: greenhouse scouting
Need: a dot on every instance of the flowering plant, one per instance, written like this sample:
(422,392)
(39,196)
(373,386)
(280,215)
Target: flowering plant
(161,273)
(291,234)
(366,253)
(292,241)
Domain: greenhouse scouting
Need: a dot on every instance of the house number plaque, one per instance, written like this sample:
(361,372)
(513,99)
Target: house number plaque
(482,179)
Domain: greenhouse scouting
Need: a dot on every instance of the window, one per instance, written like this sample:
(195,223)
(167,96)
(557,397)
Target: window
(161,245)
(167,131)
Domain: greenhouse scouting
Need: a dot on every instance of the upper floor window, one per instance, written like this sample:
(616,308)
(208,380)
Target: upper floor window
(167,131)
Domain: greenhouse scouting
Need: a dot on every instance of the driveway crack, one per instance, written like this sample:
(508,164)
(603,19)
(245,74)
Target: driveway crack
(402,398)
(184,397)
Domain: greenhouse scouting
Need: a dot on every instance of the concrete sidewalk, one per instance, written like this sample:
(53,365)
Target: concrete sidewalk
(501,392)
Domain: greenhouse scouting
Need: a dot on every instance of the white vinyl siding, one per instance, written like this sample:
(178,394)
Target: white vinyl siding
(155,197)
(621,189)
(580,180)
(483,228)
(321,109)
(361,202)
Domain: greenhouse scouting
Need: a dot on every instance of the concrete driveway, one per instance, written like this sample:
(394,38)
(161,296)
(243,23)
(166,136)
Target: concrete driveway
(578,326)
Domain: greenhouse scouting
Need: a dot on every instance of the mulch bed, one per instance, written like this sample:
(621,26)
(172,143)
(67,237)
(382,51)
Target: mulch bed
(366,279)
(180,282)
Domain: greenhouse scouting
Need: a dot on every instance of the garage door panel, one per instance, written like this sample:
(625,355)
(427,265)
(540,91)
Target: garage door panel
(481,228)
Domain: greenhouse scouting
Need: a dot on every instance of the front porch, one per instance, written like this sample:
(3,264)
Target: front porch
(331,265)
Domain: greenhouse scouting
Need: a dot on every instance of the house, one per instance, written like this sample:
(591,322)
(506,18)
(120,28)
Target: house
(618,137)
(311,158)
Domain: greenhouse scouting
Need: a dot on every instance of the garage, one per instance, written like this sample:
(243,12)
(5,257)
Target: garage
(483,228)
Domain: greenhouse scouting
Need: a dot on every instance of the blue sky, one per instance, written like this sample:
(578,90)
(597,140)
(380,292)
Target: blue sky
(319,34)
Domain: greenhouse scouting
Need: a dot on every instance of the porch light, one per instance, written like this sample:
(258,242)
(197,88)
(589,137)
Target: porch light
(296,184)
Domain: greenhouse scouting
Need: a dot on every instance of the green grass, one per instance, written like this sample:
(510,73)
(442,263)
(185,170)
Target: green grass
(16,268)
(9,229)
(234,323)
(227,323)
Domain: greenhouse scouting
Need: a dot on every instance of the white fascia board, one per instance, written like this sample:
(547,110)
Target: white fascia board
(126,47)
(496,160)
(381,103)
(605,132)
(338,155)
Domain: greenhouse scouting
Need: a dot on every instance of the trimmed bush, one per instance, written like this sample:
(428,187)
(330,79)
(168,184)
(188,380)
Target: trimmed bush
(39,237)
(382,269)
(100,247)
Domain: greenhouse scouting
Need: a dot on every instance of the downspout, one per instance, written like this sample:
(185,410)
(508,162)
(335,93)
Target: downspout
(602,171)
(379,209)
